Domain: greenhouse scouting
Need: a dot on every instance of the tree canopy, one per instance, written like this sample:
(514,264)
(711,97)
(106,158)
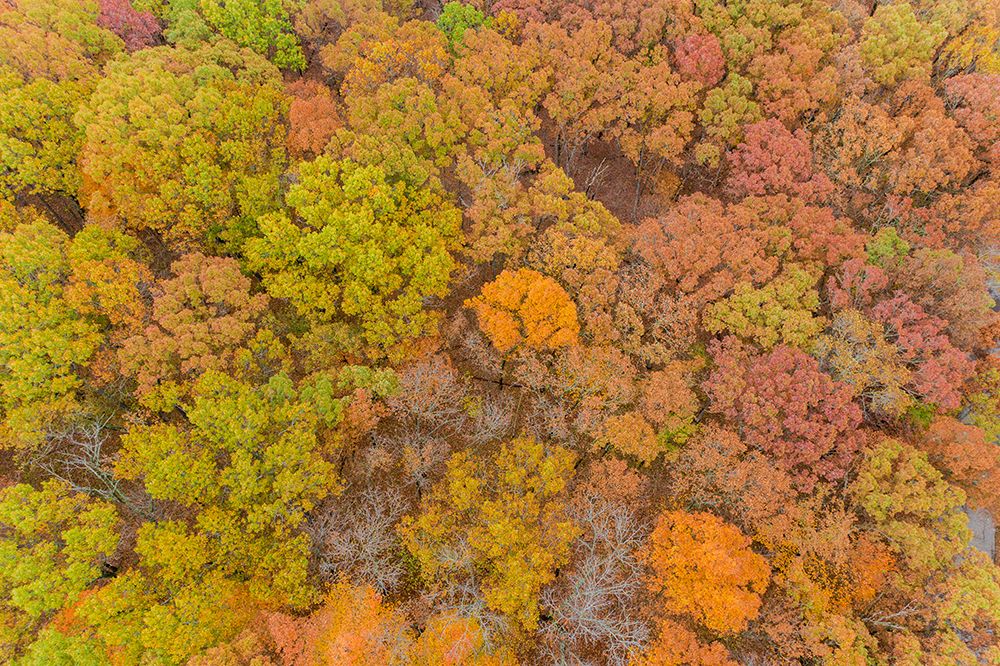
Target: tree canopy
(498,332)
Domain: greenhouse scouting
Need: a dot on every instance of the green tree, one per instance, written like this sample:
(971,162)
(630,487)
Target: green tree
(172,605)
(780,312)
(249,463)
(186,141)
(364,249)
(52,545)
(456,18)
(725,111)
(913,507)
(896,45)
(261,25)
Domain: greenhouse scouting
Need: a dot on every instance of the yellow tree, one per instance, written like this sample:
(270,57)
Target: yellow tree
(63,299)
(249,465)
(52,544)
(366,246)
(51,52)
(186,141)
(506,520)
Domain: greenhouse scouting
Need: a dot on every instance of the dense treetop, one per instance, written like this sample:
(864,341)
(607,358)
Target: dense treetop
(497,332)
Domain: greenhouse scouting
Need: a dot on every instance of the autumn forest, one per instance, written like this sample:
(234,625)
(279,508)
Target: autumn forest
(499,332)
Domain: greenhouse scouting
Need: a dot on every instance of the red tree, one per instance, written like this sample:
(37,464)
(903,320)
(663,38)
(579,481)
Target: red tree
(699,58)
(137,29)
(785,405)
(772,160)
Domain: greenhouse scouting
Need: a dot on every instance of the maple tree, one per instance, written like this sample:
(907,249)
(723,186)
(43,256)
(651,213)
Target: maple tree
(656,117)
(784,404)
(354,626)
(203,318)
(969,459)
(699,57)
(677,645)
(312,118)
(973,108)
(772,160)
(631,435)
(669,401)
(581,96)
(138,29)
(381,51)
(526,308)
(799,78)
(703,568)
(357,626)
(705,247)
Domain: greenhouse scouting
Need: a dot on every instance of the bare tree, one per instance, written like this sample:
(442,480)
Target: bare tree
(493,420)
(430,395)
(592,605)
(76,454)
(355,534)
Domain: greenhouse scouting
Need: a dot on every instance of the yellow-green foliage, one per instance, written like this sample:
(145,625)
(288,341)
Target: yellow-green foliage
(896,45)
(362,253)
(251,465)
(780,312)
(912,504)
(170,606)
(52,544)
(726,110)
(505,517)
(186,141)
(43,340)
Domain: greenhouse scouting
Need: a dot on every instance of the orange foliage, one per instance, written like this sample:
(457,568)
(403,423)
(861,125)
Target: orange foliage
(667,396)
(631,435)
(353,628)
(677,645)
(703,567)
(450,640)
(524,307)
(967,458)
(312,118)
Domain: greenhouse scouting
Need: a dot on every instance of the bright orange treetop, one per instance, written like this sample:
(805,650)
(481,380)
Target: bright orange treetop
(526,307)
(703,567)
